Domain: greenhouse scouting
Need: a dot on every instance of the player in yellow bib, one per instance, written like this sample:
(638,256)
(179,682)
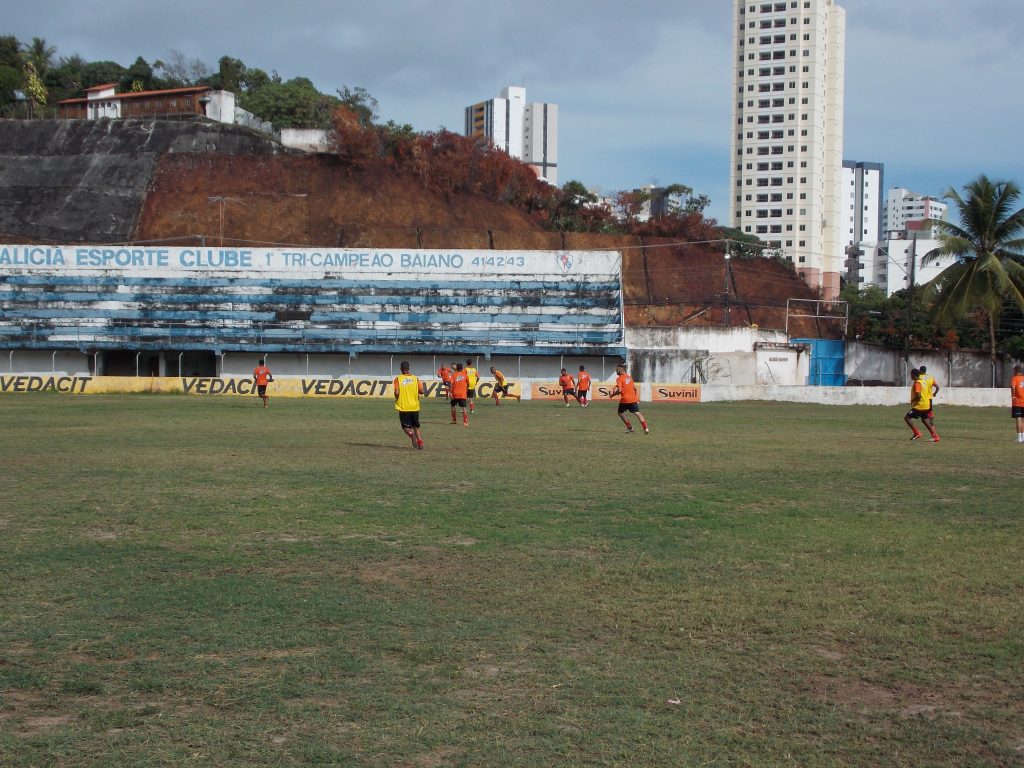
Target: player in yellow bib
(920,407)
(473,377)
(408,389)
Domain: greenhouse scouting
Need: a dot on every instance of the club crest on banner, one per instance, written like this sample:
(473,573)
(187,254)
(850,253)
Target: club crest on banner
(564,261)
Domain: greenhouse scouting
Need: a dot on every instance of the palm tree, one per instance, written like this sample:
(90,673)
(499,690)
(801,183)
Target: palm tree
(989,247)
(41,55)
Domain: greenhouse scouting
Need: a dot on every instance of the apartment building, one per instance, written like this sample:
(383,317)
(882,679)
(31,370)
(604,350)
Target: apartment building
(526,130)
(787,138)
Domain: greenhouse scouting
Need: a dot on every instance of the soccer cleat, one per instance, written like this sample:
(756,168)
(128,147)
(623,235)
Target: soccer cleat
(647,431)
(917,436)
(419,443)
(935,439)
(629,431)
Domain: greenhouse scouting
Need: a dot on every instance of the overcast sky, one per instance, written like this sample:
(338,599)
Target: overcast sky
(933,87)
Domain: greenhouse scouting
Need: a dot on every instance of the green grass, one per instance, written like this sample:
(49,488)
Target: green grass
(199,581)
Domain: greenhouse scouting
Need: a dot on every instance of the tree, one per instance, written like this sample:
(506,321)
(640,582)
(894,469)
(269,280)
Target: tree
(10,71)
(742,245)
(179,70)
(139,77)
(294,104)
(232,74)
(40,55)
(360,102)
(35,91)
(101,73)
(65,80)
(679,199)
(989,247)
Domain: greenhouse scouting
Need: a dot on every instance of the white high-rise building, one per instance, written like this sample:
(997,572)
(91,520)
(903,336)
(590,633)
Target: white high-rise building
(862,216)
(904,208)
(526,130)
(787,138)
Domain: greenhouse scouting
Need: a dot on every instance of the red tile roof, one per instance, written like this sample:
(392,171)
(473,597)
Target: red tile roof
(139,94)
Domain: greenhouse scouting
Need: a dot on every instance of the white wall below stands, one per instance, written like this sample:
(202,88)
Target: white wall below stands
(855,395)
(713,356)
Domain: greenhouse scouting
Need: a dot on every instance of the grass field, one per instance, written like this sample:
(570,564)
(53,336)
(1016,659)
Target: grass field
(199,581)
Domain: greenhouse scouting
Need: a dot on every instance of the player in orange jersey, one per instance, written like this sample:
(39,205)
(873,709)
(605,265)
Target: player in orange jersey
(262,376)
(445,374)
(583,387)
(500,387)
(459,389)
(1017,400)
(565,381)
(629,399)
(407,389)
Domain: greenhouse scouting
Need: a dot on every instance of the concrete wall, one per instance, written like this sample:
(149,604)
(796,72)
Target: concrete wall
(305,139)
(874,364)
(899,396)
(731,356)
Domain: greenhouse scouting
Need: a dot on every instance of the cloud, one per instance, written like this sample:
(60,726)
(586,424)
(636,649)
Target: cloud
(643,88)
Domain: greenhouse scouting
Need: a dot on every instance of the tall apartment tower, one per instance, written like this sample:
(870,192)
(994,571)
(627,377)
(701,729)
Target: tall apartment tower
(862,218)
(904,209)
(787,139)
(526,130)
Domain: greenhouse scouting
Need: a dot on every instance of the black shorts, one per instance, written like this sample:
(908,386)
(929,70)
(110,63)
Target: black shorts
(458,401)
(631,407)
(583,393)
(409,419)
(261,390)
(569,392)
(913,413)
(1017,412)
(471,393)
(501,389)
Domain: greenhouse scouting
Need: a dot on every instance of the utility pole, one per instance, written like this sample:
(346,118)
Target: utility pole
(725,294)
(910,295)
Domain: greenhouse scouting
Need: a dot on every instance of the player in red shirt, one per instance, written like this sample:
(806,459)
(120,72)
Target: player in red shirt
(459,388)
(565,381)
(262,376)
(583,387)
(629,400)
(1017,400)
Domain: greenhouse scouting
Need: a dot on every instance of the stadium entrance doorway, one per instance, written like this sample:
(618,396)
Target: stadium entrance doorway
(187,363)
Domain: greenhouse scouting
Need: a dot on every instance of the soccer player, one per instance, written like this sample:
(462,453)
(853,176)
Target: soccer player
(629,399)
(500,387)
(473,376)
(445,374)
(928,382)
(1017,400)
(583,387)
(408,389)
(262,376)
(920,407)
(565,381)
(459,387)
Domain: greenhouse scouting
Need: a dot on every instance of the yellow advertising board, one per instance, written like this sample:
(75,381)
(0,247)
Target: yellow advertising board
(675,393)
(205,386)
(296,387)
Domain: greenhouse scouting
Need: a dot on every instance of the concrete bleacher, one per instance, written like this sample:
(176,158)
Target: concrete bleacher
(475,311)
